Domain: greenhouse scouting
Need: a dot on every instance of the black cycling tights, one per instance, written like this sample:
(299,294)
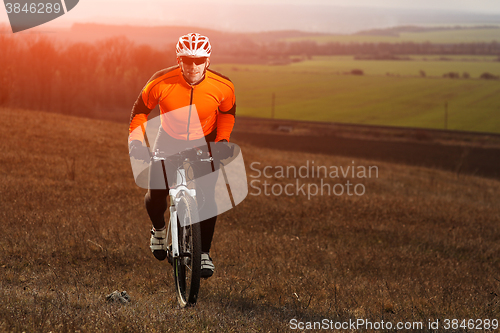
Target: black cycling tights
(156,205)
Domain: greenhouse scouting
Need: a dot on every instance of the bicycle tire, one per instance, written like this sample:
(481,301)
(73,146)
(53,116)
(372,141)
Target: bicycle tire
(187,267)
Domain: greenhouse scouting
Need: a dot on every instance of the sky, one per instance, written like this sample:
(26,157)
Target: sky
(481,6)
(332,16)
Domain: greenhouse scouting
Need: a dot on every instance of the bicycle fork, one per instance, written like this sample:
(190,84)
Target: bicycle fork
(174,200)
(174,231)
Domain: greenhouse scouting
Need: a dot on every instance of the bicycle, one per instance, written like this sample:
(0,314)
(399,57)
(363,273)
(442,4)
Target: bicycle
(183,232)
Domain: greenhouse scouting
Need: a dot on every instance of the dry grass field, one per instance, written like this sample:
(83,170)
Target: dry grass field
(419,245)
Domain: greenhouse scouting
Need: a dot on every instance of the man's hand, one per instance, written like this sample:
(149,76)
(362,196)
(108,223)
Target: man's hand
(222,150)
(138,151)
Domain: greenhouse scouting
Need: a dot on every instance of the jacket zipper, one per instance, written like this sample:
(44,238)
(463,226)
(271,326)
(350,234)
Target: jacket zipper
(189,117)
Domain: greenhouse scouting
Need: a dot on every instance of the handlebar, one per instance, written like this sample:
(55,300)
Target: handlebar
(196,154)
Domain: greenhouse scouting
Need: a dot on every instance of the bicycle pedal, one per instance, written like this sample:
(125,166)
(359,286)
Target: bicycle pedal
(206,273)
(160,255)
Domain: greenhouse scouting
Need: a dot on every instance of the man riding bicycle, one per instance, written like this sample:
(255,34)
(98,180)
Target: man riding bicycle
(209,103)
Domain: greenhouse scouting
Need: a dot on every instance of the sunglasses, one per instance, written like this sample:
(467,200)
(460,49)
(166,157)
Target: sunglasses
(196,61)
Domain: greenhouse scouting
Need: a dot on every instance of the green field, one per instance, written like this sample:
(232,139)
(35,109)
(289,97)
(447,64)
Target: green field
(319,90)
(476,35)
(431,65)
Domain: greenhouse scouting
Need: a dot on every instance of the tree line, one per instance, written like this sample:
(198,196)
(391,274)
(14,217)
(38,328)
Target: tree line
(278,49)
(103,79)
(83,79)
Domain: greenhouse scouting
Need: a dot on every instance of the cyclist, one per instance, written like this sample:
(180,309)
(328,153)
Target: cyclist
(192,86)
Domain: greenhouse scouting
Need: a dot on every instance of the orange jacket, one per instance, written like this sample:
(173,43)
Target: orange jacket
(187,112)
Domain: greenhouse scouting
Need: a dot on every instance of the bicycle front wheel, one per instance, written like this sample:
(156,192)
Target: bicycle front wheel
(187,267)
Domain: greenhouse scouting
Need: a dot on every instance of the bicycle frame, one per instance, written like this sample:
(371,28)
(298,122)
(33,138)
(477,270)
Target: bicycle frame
(179,189)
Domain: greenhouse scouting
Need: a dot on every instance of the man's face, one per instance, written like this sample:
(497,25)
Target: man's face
(193,68)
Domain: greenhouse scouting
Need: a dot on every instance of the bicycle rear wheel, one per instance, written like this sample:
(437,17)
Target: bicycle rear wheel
(187,267)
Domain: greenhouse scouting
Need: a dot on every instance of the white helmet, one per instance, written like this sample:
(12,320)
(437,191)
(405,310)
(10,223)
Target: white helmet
(193,45)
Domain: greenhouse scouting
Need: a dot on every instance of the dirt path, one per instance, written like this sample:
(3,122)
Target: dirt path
(453,151)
